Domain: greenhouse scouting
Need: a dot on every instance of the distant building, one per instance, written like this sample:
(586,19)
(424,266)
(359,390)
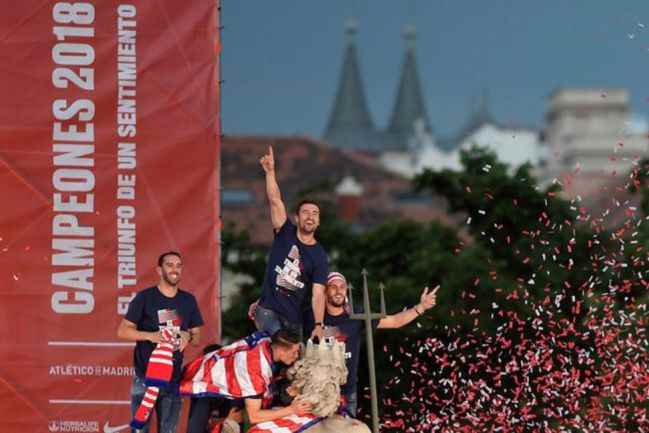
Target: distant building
(590,136)
(514,145)
(350,125)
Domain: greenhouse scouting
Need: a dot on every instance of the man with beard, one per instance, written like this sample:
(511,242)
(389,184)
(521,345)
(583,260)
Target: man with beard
(297,264)
(339,324)
(164,307)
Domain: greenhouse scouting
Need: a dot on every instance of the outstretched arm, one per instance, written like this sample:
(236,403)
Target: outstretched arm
(277,208)
(256,414)
(427,301)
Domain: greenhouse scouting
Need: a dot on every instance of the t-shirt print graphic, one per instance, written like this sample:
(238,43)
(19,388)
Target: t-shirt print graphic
(169,319)
(287,275)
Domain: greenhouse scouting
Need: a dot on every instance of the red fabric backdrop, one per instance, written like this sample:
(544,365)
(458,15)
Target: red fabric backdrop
(66,273)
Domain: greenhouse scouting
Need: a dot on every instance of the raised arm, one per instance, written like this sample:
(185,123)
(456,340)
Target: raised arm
(277,208)
(428,300)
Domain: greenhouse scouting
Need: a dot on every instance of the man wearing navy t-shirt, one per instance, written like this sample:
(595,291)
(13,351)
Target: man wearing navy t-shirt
(340,325)
(297,264)
(152,310)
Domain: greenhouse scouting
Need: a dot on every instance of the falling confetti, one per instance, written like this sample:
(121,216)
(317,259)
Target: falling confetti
(576,361)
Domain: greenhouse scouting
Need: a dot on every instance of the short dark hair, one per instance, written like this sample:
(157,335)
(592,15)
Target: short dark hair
(211,348)
(306,201)
(285,338)
(161,259)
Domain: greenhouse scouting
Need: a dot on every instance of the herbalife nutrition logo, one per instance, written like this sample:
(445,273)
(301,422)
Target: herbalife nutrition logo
(56,426)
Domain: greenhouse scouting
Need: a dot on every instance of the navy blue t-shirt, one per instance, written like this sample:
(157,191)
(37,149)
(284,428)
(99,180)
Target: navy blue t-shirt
(151,311)
(350,331)
(292,269)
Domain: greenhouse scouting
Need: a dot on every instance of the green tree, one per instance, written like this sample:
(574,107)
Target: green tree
(534,237)
(241,256)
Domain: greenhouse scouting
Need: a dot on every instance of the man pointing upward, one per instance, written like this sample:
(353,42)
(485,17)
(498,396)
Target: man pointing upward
(297,264)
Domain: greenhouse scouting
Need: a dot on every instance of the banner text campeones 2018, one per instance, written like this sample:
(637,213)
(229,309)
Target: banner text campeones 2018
(73,149)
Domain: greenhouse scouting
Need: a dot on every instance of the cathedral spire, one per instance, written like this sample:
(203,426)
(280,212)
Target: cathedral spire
(481,108)
(480,115)
(350,125)
(409,105)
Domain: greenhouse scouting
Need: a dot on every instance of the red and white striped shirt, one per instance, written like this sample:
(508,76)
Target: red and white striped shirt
(239,370)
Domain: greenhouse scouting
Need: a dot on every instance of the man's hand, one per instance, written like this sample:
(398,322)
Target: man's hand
(268,160)
(185,338)
(318,331)
(301,407)
(252,309)
(428,298)
(277,209)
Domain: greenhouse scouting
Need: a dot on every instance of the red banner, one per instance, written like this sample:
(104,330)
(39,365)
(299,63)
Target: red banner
(109,145)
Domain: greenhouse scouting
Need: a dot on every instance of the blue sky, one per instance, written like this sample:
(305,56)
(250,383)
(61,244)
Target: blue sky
(281,59)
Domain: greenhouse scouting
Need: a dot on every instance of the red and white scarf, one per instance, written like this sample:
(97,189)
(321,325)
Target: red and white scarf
(158,374)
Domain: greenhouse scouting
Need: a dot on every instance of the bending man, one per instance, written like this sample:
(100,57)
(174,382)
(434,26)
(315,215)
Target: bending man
(242,370)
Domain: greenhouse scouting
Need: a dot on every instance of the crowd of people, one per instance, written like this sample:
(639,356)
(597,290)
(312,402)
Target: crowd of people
(300,298)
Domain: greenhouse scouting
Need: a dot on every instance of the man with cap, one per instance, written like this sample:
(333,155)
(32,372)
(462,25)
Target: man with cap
(350,331)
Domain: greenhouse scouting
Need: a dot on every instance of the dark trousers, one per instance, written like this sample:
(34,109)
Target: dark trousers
(271,322)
